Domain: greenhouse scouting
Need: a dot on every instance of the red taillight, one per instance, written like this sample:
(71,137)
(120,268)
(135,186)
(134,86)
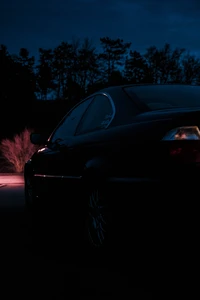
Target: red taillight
(182,134)
(176,151)
(183,144)
(189,151)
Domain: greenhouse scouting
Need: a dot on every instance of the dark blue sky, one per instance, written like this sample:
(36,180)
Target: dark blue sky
(46,23)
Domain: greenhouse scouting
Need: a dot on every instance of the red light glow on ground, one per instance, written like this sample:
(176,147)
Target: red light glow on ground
(11,179)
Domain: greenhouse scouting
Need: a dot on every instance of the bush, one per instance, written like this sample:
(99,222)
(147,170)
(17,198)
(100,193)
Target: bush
(18,150)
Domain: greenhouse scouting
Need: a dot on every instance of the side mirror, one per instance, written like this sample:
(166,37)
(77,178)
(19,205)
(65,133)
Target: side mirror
(38,139)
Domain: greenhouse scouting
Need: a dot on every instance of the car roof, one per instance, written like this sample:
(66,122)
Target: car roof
(182,90)
(125,109)
(113,89)
(130,106)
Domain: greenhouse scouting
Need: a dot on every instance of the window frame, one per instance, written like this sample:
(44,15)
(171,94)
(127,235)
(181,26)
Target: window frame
(113,113)
(68,114)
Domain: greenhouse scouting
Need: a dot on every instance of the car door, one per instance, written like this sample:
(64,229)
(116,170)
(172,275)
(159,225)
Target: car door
(65,159)
(55,159)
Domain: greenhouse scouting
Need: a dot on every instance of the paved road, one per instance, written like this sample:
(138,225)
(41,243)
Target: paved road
(34,275)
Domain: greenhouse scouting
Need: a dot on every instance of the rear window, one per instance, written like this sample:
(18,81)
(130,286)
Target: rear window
(165,96)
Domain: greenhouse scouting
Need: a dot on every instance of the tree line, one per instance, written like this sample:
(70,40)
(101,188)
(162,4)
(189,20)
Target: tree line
(73,70)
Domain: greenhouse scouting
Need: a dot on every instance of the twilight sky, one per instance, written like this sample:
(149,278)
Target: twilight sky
(46,23)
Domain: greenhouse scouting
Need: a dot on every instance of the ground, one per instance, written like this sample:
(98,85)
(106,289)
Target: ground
(30,274)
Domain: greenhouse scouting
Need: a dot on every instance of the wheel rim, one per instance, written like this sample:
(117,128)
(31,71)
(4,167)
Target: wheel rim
(97,220)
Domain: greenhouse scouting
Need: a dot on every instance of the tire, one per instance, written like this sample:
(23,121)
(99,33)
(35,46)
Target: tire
(97,236)
(96,218)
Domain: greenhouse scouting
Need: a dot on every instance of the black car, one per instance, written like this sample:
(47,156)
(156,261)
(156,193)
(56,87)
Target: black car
(116,162)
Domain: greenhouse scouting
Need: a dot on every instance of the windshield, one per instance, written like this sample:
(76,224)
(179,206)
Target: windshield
(166,96)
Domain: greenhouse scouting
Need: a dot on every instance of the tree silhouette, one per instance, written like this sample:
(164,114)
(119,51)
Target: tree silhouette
(176,75)
(135,67)
(6,72)
(62,63)
(75,69)
(44,77)
(191,69)
(169,61)
(88,70)
(25,60)
(72,70)
(17,78)
(113,54)
(25,76)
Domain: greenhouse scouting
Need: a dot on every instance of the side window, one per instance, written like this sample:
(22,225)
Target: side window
(98,115)
(67,126)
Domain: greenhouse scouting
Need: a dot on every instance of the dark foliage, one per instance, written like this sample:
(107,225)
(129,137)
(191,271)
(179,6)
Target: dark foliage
(73,70)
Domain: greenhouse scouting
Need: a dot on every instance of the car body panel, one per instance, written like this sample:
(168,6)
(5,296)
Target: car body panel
(130,149)
(146,184)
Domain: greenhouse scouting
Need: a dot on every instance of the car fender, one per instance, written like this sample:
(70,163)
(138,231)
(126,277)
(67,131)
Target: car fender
(28,168)
(97,168)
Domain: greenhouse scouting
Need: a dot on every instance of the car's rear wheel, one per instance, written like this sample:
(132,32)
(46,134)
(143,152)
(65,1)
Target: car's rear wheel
(97,223)
(97,236)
